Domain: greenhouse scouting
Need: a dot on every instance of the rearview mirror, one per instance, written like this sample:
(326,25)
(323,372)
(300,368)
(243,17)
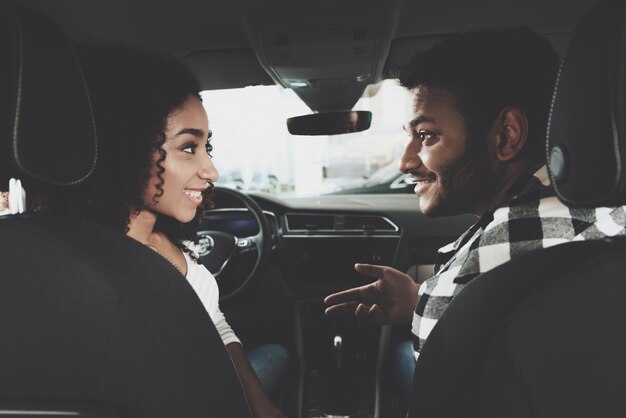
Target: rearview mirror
(330,123)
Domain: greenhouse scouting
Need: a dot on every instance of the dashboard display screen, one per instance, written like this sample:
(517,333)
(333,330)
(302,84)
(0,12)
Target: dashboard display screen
(238,225)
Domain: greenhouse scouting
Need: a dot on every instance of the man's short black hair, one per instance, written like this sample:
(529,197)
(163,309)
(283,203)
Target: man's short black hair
(489,70)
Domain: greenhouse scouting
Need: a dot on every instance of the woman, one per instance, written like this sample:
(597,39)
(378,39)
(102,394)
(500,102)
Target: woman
(154,176)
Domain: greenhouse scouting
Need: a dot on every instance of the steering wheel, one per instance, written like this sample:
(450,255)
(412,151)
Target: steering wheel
(235,261)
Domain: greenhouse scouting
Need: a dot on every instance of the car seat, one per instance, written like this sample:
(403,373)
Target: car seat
(544,335)
(92,323)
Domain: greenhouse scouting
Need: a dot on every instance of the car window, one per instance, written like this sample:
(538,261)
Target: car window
(254,151)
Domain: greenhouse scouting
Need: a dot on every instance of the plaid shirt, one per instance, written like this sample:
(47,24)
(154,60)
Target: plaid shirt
(530,218)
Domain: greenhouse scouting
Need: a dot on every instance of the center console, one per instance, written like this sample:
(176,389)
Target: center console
(339,358)
(339,364)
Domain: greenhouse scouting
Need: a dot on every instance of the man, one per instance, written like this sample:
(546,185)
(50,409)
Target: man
(478,109)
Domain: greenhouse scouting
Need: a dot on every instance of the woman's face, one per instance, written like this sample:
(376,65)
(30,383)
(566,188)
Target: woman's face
(188,166)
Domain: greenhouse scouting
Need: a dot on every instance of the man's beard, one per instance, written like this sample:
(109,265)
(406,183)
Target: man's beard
(465,185)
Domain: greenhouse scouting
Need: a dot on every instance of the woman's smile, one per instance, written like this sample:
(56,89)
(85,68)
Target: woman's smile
(194,195)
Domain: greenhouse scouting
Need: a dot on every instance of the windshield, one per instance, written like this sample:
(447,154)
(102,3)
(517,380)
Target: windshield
(253,150)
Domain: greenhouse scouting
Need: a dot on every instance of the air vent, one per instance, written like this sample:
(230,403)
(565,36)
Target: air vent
(282,39)
(359,35)
(367,223)
(297,222)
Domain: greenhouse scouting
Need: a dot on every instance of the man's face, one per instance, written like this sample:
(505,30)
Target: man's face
(453,175)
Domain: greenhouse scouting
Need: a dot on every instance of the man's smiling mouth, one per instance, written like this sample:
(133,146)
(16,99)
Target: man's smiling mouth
(422,182)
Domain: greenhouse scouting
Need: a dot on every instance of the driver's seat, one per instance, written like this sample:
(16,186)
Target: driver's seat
(544,335)
(92,323)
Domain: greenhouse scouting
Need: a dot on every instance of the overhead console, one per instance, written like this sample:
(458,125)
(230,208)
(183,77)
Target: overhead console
(327,53)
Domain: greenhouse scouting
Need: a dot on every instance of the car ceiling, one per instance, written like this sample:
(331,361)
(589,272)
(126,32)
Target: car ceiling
(226,42)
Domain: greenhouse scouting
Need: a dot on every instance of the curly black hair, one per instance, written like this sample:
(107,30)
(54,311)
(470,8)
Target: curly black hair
(132,93)
(487,71)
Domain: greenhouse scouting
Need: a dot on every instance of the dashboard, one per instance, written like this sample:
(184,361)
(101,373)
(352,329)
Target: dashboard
(238,222)
(316,241)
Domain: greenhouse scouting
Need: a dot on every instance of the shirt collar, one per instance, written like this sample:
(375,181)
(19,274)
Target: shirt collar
(543,176)
(526,182)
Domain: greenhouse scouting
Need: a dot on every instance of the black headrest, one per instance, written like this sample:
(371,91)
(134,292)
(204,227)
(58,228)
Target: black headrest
(47,131)
(586,138)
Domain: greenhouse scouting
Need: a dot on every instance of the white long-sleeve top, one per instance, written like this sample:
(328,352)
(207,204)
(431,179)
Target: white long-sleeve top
(205,286)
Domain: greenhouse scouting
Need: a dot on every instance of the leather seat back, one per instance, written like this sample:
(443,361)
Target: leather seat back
(86,313)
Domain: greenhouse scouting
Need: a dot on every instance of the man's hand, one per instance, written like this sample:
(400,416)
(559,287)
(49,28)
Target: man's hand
(391,299)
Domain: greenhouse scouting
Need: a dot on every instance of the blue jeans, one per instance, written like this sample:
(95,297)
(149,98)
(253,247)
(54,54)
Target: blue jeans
(270,363)
(403,366)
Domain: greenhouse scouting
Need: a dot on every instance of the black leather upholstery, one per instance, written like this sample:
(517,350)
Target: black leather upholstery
(535,337)
(587,121)
(48,132)
(544,335)
(86,313)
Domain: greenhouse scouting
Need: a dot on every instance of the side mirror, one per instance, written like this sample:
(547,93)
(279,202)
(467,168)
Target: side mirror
(330,123)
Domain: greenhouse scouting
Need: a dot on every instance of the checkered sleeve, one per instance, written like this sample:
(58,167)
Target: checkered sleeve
(534,224)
